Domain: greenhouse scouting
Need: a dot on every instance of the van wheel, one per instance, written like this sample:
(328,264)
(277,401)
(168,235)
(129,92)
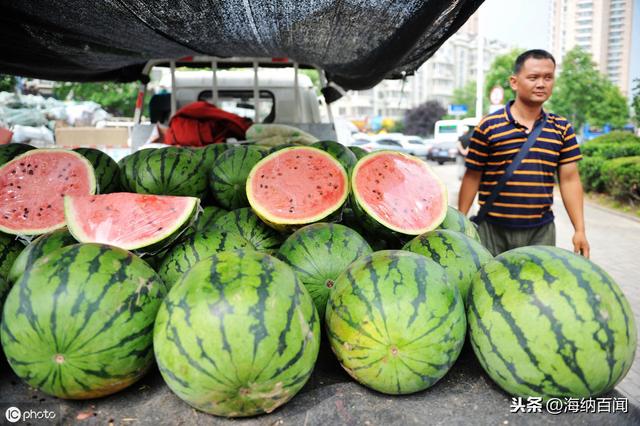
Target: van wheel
(441,162)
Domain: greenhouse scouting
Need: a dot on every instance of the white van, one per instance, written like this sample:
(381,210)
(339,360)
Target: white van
(451,130)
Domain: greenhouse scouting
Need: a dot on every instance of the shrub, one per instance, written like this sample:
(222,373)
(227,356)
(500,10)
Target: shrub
(590,173)
(609,151)
(617,137)
(621,178)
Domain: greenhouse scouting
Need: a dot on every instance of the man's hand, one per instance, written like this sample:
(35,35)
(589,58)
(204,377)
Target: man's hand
(580,244)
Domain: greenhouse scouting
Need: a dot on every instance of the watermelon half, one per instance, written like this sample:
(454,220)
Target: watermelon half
(399,192)
(32,187)
(126,220)
(297,186)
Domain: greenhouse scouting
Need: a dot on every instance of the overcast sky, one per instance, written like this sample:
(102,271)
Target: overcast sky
(525,24)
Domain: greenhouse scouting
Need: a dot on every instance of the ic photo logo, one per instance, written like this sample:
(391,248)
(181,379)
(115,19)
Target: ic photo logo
(13,414)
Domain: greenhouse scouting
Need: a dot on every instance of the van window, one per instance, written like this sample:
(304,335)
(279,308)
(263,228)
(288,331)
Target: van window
(448,128)
(241,102)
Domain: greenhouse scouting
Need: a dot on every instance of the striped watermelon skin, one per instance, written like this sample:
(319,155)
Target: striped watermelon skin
(229,174)
(358,152)
(106,170)
(79,323)
(11,150)
(460,256)
(10,249)
(5,286)
(207,219)
(245,223)
(319,253)
(546,322)
(130,166)
(394,322)
(456,221)
(172,171)
(238,335)
(39,247)
(343,154)
(196,247)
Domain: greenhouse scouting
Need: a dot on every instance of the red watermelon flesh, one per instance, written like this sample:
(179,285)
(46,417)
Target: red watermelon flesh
(126,220)
(297,185)
(400,192)
(32,187)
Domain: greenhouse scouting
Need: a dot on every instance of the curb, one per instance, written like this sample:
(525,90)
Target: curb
(612,211)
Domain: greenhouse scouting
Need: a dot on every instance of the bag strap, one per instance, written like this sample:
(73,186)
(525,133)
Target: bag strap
(515,163)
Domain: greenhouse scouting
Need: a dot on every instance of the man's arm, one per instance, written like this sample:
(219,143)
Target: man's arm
(468,189)
(572,197)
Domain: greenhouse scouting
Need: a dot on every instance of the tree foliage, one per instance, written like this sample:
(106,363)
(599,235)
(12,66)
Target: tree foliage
(583,94)
(499,73)
(635,103)
(7,83)
(118,99)
(466,95)
(422,119)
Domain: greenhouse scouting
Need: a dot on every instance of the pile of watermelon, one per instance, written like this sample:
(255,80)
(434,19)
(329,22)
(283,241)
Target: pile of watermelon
(225,264)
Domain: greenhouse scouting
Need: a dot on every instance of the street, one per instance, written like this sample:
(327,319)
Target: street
(615,246)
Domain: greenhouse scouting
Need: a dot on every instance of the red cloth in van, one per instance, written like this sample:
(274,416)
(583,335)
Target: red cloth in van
(201,123)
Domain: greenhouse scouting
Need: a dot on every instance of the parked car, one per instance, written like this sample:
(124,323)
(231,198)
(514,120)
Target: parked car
(417,146)
(413,145)
(443,152)
(384,142)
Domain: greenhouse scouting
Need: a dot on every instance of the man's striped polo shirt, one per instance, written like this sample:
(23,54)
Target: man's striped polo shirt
(526,199)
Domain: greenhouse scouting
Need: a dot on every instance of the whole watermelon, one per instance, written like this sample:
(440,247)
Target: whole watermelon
(456,221)
(130,167)
(79,322)
(10,249)
(229,176)
(11,150)
(546,322)
(211,153)
(238,335)
(106,170)
(207,219)
(39,247)
(319,253)
(245,223)
(172,171)
(5,286)
(394,322)
(359,152)
(459,255)
(180,258)
(340,152)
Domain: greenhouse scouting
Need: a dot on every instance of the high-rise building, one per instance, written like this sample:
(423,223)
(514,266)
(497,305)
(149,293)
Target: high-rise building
(602,28)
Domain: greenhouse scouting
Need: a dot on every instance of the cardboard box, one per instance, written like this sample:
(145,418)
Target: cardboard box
(92,137)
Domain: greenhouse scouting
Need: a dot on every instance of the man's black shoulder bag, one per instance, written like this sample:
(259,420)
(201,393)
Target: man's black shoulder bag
(524,150)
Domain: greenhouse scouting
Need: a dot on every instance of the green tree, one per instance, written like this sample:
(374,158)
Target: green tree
(7,83)
(583,94)
(635,103)
(118,99)
(499,73)
(466,95)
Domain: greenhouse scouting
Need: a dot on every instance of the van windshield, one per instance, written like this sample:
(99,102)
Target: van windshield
(241,102)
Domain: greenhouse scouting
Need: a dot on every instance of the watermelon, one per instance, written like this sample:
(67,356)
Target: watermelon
(238,335)
(5,286)
(41,246)
(130,167)
(129,221)
(10,249)
(11,150)
(180,258)
(456,221)
(340,152)
(459,255)
(106,170)
(229,175)
(396,192)
(172,171)
(32,187)
(318,253)
(211,153)
(208,217)
(358,152)
(246,224)
(79,322)
(545,322)
(394,322)
(297,186)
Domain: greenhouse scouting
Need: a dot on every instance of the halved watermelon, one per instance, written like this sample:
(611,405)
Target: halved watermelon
(296,186)
(32,187)
(399,192)
(126,220)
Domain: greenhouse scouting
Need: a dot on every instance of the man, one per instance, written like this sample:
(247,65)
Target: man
(521,214)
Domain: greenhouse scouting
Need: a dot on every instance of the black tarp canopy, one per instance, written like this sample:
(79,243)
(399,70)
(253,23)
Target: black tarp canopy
(357,42)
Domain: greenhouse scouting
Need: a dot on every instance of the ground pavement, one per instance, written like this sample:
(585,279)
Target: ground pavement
(615,246)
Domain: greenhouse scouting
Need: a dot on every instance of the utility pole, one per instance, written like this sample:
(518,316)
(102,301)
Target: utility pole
(479,65)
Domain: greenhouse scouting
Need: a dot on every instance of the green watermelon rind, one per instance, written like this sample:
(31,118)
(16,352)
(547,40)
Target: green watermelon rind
(284,224)
(361,207)
(62,224)
(181,222)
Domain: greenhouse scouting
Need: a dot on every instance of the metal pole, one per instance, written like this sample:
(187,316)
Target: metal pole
(323,83)
(173,88)
(296,95)
(256,92)
(214,83)
(480,66)
(137,115)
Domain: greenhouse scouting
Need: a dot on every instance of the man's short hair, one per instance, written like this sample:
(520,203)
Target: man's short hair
(533,53)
